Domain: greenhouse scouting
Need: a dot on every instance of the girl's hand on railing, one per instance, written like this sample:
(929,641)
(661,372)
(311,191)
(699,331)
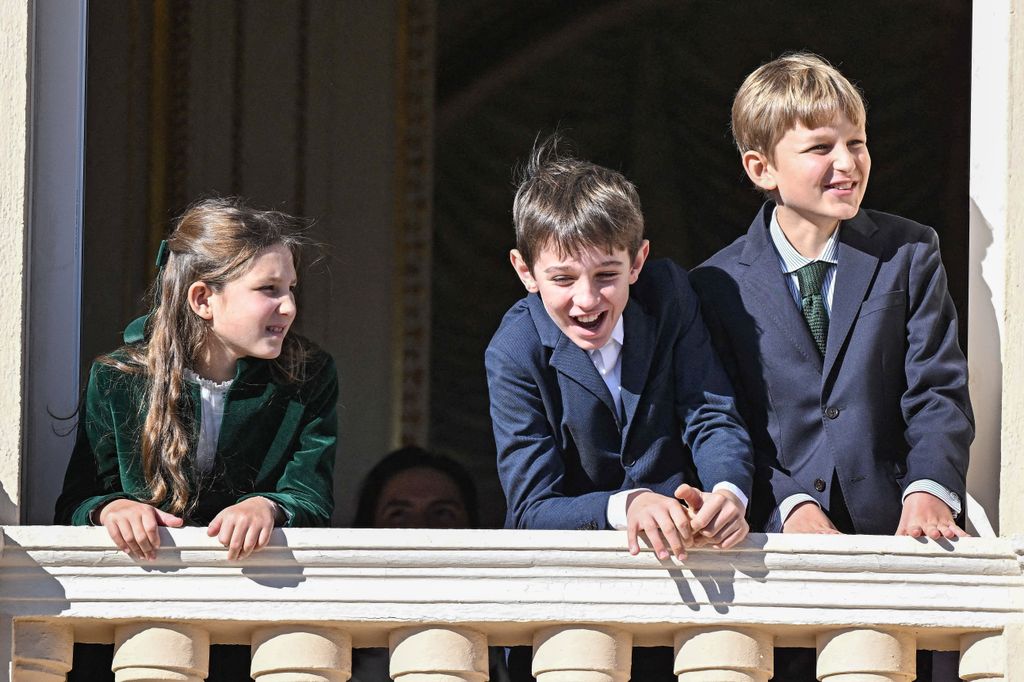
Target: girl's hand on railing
(133,526)
(245,527)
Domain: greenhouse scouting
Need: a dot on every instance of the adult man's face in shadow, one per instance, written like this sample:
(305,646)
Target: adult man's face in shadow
(420,497)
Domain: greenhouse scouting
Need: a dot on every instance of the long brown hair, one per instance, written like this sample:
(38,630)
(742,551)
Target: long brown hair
(214,241)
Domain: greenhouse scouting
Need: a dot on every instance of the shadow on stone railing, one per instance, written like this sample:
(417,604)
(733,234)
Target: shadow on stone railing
(439,598)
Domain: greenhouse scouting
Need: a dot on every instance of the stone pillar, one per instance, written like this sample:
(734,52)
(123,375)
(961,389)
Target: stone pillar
(982,657)
(863,655)
(15,79)
(582,654)
(723,655)
(438,654)
(159,652)
(996,295)
(290,653)
(42,651)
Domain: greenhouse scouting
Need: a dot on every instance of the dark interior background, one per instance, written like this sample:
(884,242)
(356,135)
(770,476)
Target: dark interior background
(646,88)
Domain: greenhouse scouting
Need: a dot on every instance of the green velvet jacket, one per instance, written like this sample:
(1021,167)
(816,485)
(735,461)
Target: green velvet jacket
(276,441)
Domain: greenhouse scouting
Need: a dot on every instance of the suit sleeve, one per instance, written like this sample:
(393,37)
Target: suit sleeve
(306,488)
(530,462)
(936,405)
(706,405)
(93,476)
(771,484)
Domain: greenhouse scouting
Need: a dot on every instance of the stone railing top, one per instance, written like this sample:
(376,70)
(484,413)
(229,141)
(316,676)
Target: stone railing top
(508,583)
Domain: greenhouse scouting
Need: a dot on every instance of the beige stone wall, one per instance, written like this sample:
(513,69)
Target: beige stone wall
(14,69)
(996,298)
(1011,486)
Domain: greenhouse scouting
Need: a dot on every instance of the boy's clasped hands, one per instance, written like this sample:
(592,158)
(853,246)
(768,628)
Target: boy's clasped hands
(242,528)
(715,519)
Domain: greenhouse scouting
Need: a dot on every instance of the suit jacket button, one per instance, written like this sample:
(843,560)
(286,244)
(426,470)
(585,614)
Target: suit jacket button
(832,412)
(819,485)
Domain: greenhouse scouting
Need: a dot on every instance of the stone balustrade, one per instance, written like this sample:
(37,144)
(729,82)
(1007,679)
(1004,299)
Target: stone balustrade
(438,599)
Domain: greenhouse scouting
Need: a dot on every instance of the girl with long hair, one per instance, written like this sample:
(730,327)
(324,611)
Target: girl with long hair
(211,413)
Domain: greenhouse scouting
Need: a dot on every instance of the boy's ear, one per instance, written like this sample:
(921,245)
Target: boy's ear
(199,300)
(760,170)
(523,270)
(639,260)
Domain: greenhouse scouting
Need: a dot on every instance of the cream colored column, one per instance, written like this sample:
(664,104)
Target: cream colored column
(723,655)
(300,654)
(14,86)
(582,654)
(862,655)
(438,654)
(996,284)
(991,656)
(42,651)
(983,657)
(158,652)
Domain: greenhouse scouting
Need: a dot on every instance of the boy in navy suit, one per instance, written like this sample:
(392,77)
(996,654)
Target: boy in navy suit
(603,382)
(602,379)
(835,325)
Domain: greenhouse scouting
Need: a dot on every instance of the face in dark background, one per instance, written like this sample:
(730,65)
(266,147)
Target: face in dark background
(420,498)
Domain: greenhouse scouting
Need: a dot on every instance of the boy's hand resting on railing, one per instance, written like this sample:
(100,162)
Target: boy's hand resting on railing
(807,517)
(710,519)
(133,526)
(926,515)
(662,520)
(245,527)
(717,516)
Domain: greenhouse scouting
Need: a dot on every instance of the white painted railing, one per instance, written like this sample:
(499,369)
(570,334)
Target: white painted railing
(439,598)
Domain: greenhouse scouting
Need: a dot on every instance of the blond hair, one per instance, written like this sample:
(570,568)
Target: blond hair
(795,88)
(215,241)
(574,205)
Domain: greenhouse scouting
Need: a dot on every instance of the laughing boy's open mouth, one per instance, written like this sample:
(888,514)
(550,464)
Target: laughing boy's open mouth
(589,322)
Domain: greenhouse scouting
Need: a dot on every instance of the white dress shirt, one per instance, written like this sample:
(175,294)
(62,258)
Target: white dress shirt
(211,398)
(608,361)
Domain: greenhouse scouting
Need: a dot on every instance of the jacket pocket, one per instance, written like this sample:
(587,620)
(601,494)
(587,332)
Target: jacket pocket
(890,299)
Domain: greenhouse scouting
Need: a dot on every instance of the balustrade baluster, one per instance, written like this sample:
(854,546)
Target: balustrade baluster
(161,652)
(866,655)
(983,657)
(301,654)
(438,654)
(723,655)
(582,654)
(42,651)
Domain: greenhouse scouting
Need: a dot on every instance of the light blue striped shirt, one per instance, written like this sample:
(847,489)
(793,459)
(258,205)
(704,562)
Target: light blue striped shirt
(791,260)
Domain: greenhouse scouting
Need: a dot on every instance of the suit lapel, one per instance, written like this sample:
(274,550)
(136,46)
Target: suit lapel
(858,264)
(568,358)
(637,354)
(766,285)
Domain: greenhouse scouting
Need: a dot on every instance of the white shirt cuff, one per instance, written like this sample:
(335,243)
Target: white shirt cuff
(725,485)
(926,485)
(787,506)
(617,507)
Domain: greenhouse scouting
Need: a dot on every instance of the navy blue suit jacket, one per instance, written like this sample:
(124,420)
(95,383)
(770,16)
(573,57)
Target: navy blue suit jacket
(563,449)
(888,404)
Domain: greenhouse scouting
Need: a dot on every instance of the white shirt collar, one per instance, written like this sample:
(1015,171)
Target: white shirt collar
(792,260)
(612,348)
